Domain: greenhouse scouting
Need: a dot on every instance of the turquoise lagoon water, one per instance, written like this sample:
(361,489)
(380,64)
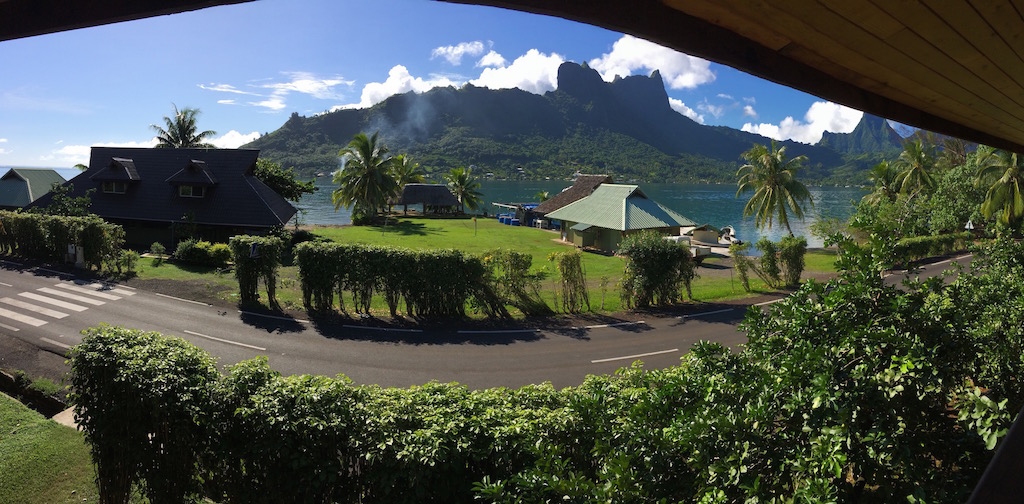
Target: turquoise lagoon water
(704,203)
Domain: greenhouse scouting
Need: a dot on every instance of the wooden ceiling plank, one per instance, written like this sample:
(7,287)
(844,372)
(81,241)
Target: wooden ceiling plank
(1004,21)
(720,16)
(984,38)
(942,48)
(925,74)
(829,30)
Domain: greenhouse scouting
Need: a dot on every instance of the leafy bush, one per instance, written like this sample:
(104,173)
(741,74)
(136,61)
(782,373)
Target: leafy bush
(46,237)
(742,262)
(573,281)
(158,250)
(203,253)
(919,247)
(656,270)
(791,259)
(256,258)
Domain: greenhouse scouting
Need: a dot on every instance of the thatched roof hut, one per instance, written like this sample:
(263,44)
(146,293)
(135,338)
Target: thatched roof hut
(582,187)
(429,195)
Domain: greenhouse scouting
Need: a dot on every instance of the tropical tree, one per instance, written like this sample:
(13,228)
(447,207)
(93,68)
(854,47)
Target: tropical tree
(405,171)
(772,179)
(283,182)
(886,180)
(465,187)
(915,164)
(1001,171)
(365,180)
(541,196)
(181,131)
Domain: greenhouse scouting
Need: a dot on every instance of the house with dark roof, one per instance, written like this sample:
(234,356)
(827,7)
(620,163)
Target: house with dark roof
(21,186)
(433,197)
(167,195)
(581,187)
(612,212)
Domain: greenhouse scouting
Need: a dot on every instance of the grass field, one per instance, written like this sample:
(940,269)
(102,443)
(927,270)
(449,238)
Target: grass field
(40,460)
(716,280)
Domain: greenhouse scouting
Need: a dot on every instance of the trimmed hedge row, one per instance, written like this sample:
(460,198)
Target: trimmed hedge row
(46,237)
(256,258)
(434,283)
(919,247)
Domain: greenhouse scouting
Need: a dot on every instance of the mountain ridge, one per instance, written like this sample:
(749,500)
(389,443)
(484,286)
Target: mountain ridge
(625,127)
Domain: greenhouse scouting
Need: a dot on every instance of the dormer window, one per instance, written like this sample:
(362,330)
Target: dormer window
(191,191)
(114,187)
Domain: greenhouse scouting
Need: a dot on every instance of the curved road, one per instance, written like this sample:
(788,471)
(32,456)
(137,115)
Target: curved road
(47,310)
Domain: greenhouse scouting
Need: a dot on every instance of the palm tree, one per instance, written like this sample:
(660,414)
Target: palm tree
(464,185)
(541,196)
(405,172)
(181,131)
(772,178)
(1001,171)
(365,180)
(915,164)
(886,181)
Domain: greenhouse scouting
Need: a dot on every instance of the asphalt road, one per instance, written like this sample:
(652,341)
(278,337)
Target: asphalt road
(46,310)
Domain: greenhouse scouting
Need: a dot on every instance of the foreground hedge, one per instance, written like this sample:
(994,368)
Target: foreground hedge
(46,237)
(849,391)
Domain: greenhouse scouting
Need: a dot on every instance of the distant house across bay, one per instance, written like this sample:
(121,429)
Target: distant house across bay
(166,195)
(21,186)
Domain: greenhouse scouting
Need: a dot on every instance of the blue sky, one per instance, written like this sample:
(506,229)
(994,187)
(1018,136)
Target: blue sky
(248,67)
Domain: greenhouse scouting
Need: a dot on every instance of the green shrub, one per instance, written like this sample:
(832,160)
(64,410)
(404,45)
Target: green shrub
(256,258)
(203,253)
(792,250)
(920,247)
(742,262)
(768,266)
(573,281)
(46,237)
(656,270)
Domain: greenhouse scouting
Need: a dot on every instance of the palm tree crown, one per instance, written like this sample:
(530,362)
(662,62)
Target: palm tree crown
(405,171)
(365,180)
(886,181)
(915,165)
(465,187)
(181,131)
(772,178)
(1001,171)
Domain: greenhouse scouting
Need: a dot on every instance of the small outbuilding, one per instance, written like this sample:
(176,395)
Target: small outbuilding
(21,186)
(436,198)
(612,212)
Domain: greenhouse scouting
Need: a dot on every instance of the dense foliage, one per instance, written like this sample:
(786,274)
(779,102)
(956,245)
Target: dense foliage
(847,391)
(181,131)
(656,270)
(573,280)
(46,237)
(771,176)
(256,258)
(282,181)
(202,253)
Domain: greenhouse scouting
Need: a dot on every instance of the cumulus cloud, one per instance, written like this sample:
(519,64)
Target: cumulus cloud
(630,54)
(681,107)
(234,139)
(534,71)
(492,59)
(748,110)
(399,81)
(453,54)
(821,117)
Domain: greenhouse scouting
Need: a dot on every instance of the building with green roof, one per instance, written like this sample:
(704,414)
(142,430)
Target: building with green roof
(612,212)
(21,186)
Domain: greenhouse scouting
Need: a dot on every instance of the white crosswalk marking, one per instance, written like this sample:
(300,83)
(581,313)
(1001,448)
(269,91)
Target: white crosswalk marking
(73,297)
(105,288)
(24,319)
(91,292)
(55,302)
(33,308)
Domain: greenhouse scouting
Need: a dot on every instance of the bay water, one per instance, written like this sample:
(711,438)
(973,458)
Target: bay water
(714,204)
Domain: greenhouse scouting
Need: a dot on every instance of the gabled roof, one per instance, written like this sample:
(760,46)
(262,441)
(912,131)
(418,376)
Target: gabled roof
(233,195)
(427,194)
(21,186)
(581,188)
(621,207)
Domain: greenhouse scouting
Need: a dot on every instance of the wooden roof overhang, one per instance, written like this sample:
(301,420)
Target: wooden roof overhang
(951,66)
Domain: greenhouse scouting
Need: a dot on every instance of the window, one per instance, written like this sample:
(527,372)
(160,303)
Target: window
(189,191)
(112,187)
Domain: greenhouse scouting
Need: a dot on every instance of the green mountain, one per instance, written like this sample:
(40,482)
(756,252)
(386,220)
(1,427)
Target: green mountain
(625,128)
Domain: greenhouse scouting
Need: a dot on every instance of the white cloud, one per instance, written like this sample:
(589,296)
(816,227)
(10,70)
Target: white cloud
(750,99)
(725,96)
(4,151)
(681,107)
(274,103)
(534,71)
(225,88)
(3,140)
(74,154)
(629,54)
(399,81)
(710,108)
(226,102)
(307,83)
(491,59)
(821,117)
(453,54)
(234,139)
(748,110)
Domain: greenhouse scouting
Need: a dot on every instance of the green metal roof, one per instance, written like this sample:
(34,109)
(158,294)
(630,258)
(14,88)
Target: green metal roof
(622,207)
(21,186)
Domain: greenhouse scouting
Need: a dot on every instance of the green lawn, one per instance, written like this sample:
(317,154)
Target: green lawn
(40,460)
(716,281)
